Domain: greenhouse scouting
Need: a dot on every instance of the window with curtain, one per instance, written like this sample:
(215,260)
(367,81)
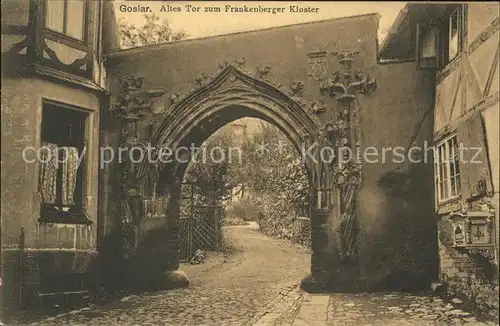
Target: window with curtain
(62,161)
(66,17)
(447,169)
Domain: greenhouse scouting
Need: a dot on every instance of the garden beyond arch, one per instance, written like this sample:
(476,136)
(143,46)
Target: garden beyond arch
(229,95)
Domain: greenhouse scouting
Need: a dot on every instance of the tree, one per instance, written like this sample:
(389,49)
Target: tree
(152,32)
(272,169)
(210,170)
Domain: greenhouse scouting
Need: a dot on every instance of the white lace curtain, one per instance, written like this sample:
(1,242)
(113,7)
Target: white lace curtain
(68,163)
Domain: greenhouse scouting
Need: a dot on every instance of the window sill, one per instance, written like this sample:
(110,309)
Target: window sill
(382,61)
(448,206)
(73,216)
(449,200)
(470,246)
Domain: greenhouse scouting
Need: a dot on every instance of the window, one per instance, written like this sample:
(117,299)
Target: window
(66,17)
(427,44)
(439,40)
(61,165)
(454,35)
(447,170)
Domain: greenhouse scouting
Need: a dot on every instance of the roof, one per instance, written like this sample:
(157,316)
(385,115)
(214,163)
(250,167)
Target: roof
(398,44)
(393,30)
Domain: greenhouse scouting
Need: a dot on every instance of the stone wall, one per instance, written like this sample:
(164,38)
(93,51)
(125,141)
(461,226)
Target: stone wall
(469,274)
(397,228)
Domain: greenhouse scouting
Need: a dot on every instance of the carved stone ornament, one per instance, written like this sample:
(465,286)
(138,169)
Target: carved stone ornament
(263,71)
(472,229)
(132,102)
(174,98)
(317,107)
(479,190)
(318,65)
(296,88)
(201,78)
(222,66)
(344,86)
(345,57)
(348,174)
(240,61)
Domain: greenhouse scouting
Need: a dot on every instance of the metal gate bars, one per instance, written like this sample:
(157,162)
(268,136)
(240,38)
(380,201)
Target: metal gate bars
(199,226)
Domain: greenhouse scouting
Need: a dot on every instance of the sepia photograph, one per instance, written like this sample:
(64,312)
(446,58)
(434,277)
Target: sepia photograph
(249,163)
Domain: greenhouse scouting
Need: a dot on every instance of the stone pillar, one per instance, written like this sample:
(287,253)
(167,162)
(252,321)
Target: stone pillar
(336,180)
(319,278)
(148,244)
(323,216)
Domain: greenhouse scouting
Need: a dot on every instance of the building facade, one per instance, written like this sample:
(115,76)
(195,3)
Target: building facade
(53,88)
(460,42)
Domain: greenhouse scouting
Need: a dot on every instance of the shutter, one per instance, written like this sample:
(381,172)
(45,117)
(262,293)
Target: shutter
(474,167)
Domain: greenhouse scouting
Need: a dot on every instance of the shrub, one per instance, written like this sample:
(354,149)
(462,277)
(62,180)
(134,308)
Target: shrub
(244,209)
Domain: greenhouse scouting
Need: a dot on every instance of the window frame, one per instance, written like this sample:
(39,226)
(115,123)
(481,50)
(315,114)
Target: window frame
(427,62)
(76,213)
(459,22)
(443,58)
(443,167)
(63,34)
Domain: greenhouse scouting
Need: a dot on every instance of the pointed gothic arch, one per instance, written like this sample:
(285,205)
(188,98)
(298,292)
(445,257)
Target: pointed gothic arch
(230,94)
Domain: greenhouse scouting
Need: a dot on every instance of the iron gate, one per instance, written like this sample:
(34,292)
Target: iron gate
(199,225)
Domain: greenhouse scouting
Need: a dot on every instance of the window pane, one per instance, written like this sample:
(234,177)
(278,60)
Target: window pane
(453,189)
(428,49)
(75,19)
(452,147)
(54,18)
(453,43)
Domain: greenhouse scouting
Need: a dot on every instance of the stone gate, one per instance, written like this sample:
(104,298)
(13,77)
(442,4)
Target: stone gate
(321,84)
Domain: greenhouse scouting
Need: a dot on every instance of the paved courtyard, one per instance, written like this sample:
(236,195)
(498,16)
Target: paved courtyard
(224,291)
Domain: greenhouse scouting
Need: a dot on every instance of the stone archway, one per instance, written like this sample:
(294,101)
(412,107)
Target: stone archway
(231,94)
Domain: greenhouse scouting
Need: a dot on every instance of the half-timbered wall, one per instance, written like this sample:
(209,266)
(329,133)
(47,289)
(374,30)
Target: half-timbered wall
(467,104)
(31,45)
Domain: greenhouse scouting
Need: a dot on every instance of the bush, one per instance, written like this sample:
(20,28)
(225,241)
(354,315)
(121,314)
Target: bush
(242,209)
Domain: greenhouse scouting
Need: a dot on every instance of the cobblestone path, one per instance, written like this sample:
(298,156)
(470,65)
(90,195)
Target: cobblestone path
(397,309)
(260,276)
(258,285)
